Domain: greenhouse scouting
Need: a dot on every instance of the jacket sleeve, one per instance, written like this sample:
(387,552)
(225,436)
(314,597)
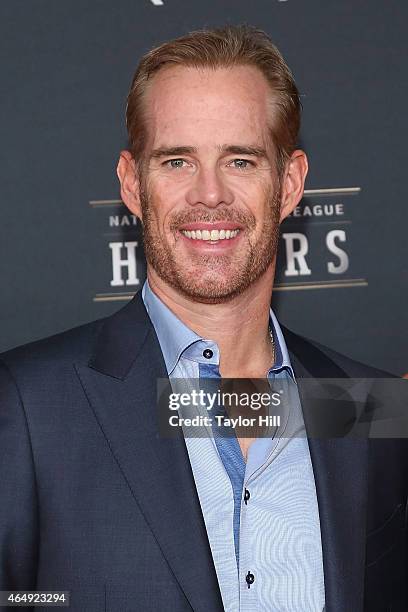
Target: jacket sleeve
(18,495)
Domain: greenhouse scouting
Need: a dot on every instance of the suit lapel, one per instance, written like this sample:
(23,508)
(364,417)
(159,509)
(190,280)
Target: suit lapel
(340,471)
(120,384)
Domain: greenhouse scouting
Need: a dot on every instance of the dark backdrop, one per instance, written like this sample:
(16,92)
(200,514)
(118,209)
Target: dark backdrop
(66,69)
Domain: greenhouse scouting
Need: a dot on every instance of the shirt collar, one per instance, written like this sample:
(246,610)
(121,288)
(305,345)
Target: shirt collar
(175,338)
(173,335)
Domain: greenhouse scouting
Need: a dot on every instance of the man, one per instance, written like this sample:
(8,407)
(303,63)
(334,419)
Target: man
(94,500)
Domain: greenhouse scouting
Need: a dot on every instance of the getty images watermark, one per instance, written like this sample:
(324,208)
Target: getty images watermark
(214,402)
(222,407)
(288,408)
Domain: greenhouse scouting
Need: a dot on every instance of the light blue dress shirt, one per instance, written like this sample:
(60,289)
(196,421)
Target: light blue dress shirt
(273,536)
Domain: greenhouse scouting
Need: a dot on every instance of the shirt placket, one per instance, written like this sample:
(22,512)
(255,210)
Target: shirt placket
(247,575)
(248,562)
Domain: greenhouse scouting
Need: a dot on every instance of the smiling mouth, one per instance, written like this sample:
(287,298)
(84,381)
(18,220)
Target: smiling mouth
(213,235)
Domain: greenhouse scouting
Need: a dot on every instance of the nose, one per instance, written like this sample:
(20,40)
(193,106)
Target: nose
(209,188)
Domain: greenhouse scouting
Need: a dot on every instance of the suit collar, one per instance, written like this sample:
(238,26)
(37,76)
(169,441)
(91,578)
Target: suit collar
(121,340)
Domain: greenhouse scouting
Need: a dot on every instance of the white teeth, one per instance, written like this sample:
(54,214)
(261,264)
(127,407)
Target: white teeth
(213,235)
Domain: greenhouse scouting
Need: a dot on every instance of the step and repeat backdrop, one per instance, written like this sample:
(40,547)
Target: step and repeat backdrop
(71,252)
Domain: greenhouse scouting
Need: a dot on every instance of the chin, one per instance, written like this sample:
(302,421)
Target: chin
(210,292)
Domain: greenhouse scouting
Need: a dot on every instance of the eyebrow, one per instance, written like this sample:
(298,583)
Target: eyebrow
(233,149)
(169,151)
(244,150)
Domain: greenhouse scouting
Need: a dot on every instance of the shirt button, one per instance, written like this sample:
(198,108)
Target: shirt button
(250,579)
(207,353)
(247,495)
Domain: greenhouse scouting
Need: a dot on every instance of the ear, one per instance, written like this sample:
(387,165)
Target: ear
(129,183)
(293,182)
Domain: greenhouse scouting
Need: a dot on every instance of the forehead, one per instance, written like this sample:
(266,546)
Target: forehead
(195,106)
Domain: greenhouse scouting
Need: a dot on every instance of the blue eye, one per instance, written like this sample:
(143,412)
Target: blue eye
(175,163)
(242,164)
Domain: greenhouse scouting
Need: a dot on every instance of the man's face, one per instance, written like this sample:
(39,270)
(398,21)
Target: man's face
(209,190)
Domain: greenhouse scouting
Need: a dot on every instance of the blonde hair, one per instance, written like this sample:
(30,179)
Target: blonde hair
(221,48)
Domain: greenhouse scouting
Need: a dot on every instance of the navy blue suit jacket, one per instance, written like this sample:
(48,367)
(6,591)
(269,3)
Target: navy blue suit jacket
(93,501)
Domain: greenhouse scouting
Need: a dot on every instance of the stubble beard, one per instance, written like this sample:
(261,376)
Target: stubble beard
(212,279)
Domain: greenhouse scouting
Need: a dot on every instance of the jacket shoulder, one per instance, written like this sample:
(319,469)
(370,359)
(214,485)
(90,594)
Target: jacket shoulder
(108,345)
(75,344)
(312,352)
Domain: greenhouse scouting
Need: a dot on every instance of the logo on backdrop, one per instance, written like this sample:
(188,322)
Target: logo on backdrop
(315,250)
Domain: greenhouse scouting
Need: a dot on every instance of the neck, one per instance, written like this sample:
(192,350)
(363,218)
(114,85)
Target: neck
(240,327)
